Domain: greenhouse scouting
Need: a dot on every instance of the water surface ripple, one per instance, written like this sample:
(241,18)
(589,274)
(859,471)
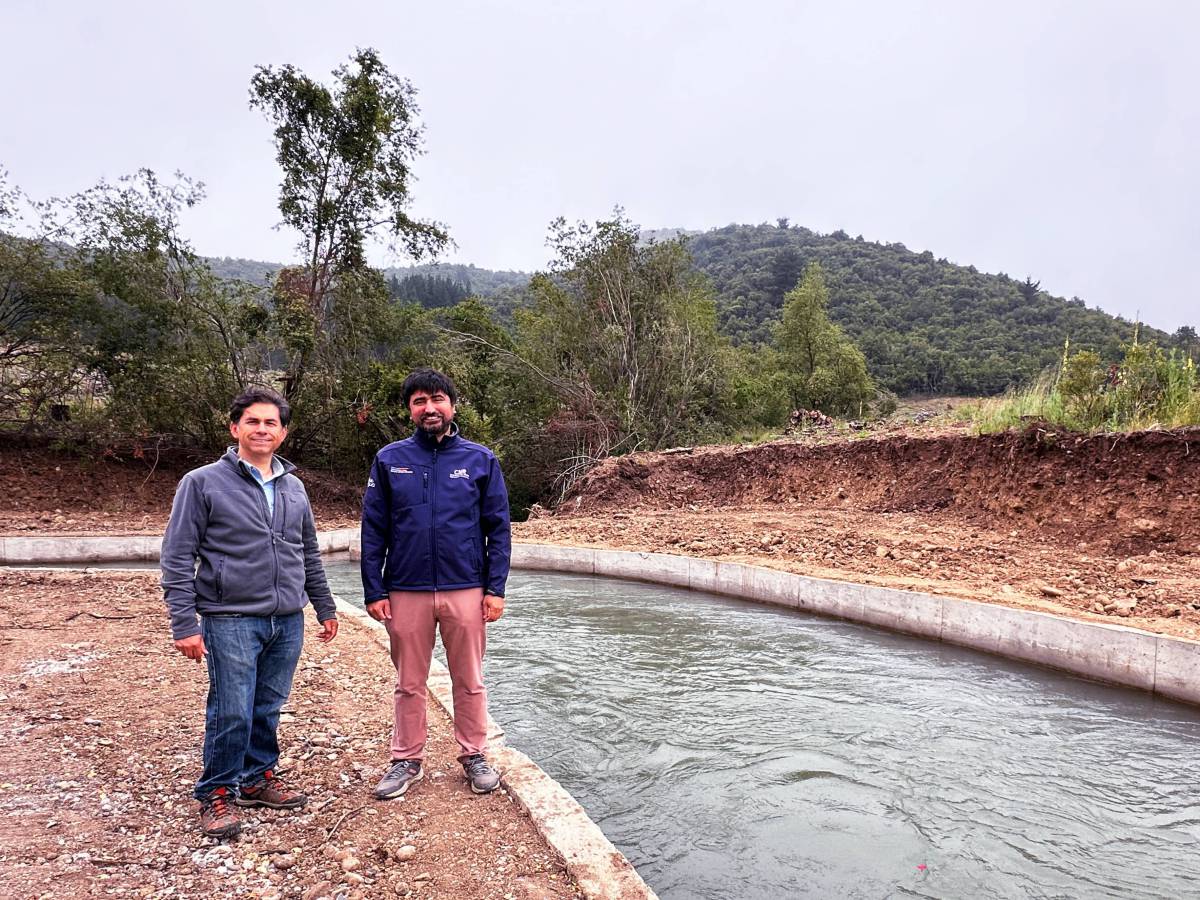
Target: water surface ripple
(735,750)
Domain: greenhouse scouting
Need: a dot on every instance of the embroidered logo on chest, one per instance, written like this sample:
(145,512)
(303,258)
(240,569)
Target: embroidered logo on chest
(460,473)
(400,470)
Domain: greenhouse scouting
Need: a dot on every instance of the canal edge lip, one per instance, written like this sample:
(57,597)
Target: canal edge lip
(1114,654)
(16,550)
(598,867)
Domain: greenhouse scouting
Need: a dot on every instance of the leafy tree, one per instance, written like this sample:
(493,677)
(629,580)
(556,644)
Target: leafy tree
(1187,341)
(346,155)
(623,335)
(823,370)
(103,298)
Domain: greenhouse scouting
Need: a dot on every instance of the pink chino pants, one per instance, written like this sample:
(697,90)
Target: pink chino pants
(416,616)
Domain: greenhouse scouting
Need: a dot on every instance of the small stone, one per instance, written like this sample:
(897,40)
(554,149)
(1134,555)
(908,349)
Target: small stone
(1048,589)
(350,863)
(405,853)
(323,889)
(1172,611)
(284,861)
(881,551)
(424,876)
(401,888)
(353,878)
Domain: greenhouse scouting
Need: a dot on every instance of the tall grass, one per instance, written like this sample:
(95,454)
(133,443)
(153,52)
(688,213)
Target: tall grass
(1147,389)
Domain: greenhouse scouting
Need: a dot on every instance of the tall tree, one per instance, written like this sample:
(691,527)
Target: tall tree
(821,367)
(346,154)
(625,335)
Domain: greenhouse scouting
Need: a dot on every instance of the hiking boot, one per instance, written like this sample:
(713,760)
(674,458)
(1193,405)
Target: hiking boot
(216,818)
(272,793)
(481,776)
(401,774)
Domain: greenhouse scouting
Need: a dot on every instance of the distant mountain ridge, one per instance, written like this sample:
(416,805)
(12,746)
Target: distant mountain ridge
(924,324)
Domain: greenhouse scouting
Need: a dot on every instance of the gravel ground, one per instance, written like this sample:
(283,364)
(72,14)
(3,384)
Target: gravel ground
(100,733)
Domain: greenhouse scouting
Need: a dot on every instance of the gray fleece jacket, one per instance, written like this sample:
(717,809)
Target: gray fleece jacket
(250,562)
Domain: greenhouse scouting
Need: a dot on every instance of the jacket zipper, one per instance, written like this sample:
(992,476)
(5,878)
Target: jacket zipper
(433,520)
(273,513)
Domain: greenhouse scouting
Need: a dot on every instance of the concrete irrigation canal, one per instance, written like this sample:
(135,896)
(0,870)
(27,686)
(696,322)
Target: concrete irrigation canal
(731,749)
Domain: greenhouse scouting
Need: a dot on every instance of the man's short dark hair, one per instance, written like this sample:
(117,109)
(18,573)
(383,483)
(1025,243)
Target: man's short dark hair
(431,381)
(252,395)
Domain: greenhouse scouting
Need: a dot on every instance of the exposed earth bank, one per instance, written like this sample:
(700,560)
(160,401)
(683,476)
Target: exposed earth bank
(1103,527)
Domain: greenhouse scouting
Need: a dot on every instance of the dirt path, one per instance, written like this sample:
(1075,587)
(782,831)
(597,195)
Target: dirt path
(100,733)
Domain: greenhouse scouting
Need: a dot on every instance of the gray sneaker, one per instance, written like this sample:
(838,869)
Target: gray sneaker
(401,774)
(481,776)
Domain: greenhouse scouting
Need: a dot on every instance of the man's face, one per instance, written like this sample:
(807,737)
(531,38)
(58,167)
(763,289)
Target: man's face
(258,432)
(432,413)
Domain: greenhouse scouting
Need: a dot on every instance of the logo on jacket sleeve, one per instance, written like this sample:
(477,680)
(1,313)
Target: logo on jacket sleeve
(460,473)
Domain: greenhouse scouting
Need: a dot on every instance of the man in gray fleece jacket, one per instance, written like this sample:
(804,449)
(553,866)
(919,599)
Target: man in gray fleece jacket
(239,563)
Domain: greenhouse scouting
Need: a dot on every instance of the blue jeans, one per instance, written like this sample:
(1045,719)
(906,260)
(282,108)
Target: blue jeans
(251,661)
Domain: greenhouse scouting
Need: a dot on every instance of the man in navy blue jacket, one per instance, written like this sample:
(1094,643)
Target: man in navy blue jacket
(435,554)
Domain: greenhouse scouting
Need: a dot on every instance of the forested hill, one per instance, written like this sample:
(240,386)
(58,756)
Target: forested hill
(924,324)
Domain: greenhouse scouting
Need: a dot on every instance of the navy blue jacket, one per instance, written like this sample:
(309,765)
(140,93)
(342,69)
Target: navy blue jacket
(435,518)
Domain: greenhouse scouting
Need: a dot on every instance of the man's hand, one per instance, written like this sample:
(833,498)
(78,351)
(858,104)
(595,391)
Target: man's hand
(328,631)
(380,610)
(192,647)
(493,608)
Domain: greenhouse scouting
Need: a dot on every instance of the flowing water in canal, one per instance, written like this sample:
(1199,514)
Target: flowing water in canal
(733,750)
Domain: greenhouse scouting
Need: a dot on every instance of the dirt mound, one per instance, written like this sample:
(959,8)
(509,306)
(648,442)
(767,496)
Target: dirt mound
(43,490)
(1130,493)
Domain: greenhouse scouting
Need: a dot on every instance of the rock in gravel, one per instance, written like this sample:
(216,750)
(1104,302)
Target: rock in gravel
(1121,607)
(881,551)
(1172,611)
(324,889)
(1048,589)
(405,853)
(284,861)
(350,863)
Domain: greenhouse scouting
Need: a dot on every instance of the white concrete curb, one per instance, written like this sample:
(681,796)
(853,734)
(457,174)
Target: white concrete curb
(599,868)
(1113,653)
(121,548)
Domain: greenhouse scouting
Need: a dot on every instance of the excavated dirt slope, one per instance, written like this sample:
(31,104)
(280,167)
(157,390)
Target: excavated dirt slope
(1102,526)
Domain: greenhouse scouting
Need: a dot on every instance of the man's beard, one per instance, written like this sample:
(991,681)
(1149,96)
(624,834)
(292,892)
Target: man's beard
(435,425)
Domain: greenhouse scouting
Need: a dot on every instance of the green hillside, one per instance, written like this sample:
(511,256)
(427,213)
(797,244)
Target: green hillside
(926,325)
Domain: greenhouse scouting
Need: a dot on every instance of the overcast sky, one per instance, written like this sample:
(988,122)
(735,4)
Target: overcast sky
(1059,140)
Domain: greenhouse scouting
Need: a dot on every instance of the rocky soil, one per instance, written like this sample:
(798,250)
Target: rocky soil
(100,733)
